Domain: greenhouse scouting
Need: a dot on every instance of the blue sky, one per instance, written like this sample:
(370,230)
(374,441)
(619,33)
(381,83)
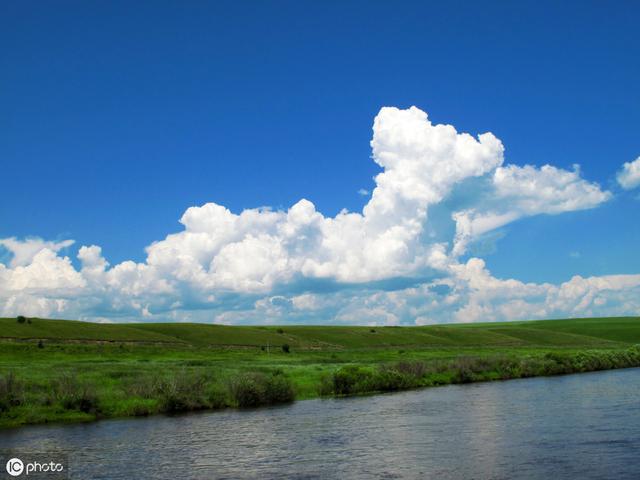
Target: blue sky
(119,116)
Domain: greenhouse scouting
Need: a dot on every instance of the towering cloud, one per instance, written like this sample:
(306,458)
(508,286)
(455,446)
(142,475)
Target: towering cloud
(297,264)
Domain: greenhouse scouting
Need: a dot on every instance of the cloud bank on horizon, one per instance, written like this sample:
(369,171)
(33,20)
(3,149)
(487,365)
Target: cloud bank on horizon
(402,260)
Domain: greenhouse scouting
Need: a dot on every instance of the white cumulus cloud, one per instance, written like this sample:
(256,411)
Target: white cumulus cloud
(24,251)
(629,176)
(391,263)
(515,192)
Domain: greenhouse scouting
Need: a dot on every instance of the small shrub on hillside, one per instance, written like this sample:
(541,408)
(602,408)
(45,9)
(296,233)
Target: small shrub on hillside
(21,319)
(286,348)
(40,344)
(280,330)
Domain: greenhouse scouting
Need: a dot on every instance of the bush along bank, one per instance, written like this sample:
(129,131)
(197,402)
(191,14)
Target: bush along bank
(65,398)
(354,379)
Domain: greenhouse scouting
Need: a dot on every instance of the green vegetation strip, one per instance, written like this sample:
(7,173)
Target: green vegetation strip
(56,370)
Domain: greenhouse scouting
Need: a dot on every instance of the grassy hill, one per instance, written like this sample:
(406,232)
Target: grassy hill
(83,371)
(585,332)
(68,330)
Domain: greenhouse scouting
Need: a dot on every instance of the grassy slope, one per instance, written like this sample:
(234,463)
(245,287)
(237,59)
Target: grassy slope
(72,330)
(113,359)
(575,332)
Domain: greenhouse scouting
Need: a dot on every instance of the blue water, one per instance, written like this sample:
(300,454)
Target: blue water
(573,427)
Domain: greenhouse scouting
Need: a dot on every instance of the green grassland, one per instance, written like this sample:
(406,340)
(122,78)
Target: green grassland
(61,370)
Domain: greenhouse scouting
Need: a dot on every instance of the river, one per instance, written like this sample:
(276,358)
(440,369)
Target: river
(573,427)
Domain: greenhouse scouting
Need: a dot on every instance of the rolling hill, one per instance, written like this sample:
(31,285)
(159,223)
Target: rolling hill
(584,332)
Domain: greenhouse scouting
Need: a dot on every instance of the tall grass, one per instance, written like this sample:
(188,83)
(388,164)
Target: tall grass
(11,392)
(74,395)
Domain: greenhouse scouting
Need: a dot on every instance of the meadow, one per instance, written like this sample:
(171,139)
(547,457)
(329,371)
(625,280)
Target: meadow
(62,370)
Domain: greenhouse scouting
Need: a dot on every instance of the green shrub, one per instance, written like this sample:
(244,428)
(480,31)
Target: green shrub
(286,348)
(254,389)
(183,392)
(278,389)
(21,319)
(352,379)
(248,390)
(347,378)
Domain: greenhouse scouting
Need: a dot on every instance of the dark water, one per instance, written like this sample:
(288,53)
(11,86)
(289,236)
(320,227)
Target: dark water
(577,426)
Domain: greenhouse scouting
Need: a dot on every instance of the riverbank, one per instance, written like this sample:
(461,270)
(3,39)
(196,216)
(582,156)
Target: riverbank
(91,391)
(71,379)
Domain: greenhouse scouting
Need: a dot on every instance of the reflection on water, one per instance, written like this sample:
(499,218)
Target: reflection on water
(577,426)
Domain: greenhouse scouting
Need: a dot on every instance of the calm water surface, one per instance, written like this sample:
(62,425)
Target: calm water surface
(576,426)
